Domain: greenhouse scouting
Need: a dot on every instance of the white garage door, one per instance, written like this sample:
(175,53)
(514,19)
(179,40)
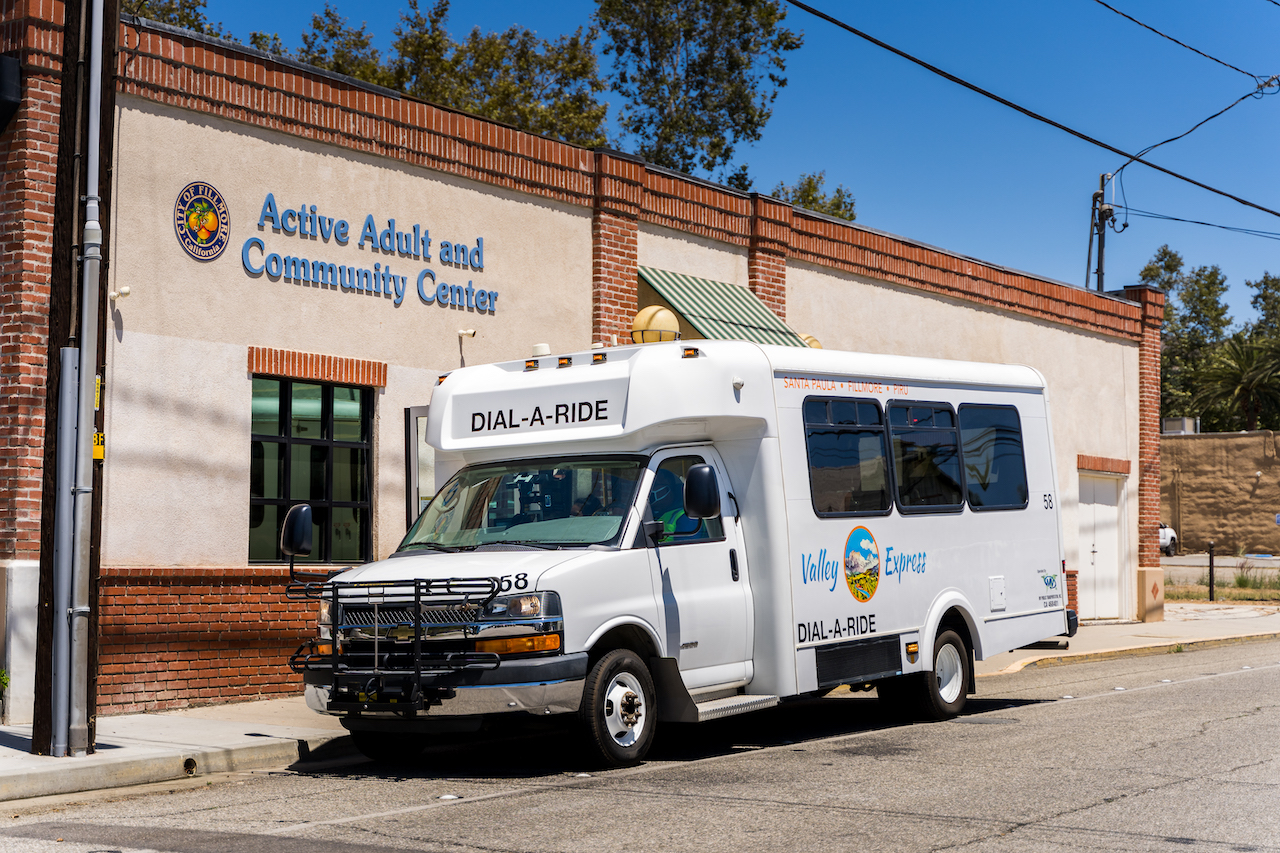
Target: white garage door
(1098,584)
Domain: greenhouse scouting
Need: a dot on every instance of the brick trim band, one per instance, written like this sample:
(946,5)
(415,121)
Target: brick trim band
(1103,464)
(326,368)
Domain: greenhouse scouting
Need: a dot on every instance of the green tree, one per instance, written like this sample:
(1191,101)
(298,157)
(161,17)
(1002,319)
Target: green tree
(1199,328)
(1266,301)
(334,46)
(1164,271)
(1241,380)
(807,192)
(545,87)
(179,13)
(693,73)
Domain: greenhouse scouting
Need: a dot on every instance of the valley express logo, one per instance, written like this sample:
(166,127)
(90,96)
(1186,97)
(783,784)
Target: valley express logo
(860,570)
(861,564)
(201,221)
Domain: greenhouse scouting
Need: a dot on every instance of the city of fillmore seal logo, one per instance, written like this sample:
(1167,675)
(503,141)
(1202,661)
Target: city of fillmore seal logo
(201,222)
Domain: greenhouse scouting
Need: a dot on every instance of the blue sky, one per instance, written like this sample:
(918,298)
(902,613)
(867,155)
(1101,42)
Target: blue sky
(931,161)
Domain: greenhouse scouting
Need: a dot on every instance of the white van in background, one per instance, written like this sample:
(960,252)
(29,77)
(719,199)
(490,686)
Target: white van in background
(685,531)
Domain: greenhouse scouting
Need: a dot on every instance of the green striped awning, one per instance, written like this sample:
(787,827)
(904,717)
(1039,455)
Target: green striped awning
(721,311)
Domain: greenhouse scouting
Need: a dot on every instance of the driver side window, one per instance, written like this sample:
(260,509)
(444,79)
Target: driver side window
(666,504)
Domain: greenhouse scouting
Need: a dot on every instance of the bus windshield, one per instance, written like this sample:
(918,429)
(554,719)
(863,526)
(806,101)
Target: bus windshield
(541,503)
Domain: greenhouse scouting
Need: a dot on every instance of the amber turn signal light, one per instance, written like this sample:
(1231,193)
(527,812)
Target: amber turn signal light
(520,645)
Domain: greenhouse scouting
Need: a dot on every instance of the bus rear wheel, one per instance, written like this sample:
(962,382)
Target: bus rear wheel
(944,688)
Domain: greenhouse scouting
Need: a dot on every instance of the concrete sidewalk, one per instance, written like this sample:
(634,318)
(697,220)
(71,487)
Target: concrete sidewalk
(136,749)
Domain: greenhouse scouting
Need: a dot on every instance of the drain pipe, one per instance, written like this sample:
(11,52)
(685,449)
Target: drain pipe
(91,246)
(62,549)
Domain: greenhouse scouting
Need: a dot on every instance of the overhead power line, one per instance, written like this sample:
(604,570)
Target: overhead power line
(1146,214)
(1258,78)
(1029,113)
(1256,93)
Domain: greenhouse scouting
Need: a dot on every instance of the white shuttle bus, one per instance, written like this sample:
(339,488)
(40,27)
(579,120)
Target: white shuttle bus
(685,531)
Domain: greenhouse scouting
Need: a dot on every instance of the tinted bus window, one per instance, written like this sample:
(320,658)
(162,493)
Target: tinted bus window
(926,456)
(848,474)
(995,473)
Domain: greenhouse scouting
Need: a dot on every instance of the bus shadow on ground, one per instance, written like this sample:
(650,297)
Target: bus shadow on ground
(537,748)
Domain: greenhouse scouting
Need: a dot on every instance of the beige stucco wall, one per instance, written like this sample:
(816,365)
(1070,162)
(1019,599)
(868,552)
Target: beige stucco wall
(1092,379)
(1210,489)
(666,249)
(178,391)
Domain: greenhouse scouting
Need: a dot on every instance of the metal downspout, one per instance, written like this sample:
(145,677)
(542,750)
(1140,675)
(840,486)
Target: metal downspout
(63,547)
(78,733)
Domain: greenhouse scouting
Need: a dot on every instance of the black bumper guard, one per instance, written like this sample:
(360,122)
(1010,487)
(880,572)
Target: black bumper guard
(389,677)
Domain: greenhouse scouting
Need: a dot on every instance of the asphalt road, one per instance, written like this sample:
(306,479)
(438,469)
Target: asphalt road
(1185,757)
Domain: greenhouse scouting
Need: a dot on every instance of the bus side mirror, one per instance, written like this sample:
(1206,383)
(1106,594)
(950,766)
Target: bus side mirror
(701,492)
(295,535)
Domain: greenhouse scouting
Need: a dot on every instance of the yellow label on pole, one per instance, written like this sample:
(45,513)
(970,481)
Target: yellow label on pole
(99,445)
(97,393)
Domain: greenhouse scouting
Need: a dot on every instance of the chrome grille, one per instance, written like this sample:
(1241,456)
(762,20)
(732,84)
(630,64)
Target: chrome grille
(363,616)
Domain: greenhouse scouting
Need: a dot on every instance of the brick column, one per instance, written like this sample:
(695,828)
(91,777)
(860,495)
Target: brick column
(767,252)
(615,230)
(28,151)
(1151,299)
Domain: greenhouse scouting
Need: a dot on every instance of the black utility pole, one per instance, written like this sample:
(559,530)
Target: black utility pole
(1103,213)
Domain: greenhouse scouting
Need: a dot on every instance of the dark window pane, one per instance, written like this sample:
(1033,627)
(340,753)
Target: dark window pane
(920,416)
(266,406)
(815,411)
(844,412)
(994,470)
(898,416)
(868,414)
(306,472)
(348,420)
(307,420)
(348,534)
(847,471)
(927,465)
(264,532)
(943,418)
(349,474)
(266,470)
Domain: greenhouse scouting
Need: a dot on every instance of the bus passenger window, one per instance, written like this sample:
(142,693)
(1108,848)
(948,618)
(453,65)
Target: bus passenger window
(845,440)
(995,472)
(926,456)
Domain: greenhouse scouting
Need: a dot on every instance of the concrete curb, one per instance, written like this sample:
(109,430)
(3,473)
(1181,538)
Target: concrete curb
(1159,648)
(102,770)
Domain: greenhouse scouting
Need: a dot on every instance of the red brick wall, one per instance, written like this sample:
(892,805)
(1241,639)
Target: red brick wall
(309,365)
(1151,301)
(177,637)
(615,254)
(28,152)
(767,252)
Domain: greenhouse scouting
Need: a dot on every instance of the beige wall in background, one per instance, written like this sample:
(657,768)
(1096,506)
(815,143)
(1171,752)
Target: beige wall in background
(689,254)
(1092,379)
(178,393)
(1210,489)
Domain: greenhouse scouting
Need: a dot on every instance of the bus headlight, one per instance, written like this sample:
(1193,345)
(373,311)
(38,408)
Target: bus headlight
(324,620)
(529,605)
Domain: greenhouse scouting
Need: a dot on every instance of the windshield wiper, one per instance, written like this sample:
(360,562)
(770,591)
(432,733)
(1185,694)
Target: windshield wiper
(433,546)
(543,545)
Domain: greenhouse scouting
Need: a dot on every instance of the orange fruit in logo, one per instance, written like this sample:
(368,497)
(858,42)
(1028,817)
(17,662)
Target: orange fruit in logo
(203,236)
(209,222)
(193,219)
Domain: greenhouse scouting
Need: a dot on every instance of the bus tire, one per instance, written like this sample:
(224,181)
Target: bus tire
(392,748)
(620,708)
(944,687)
